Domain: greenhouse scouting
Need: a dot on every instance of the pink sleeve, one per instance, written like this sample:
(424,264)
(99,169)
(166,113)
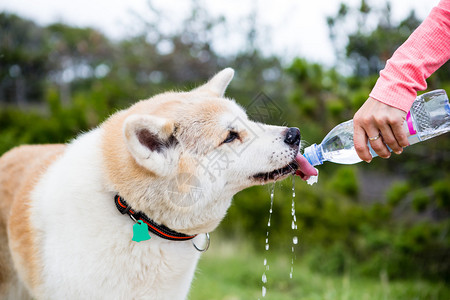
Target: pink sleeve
(427,49)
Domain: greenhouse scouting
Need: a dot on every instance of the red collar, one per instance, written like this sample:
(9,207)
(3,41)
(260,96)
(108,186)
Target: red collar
(158,229)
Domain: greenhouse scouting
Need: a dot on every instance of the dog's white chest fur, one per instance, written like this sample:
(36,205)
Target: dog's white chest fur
(87,245)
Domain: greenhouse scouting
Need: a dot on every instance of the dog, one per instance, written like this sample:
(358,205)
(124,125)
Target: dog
(71,216)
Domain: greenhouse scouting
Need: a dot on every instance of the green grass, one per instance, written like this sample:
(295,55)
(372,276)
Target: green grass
(230,271)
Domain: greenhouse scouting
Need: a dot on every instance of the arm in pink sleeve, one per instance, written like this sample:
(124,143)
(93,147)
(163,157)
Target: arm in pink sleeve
(427,49)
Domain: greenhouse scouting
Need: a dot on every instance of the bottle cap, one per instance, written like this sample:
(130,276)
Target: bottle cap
(312,155)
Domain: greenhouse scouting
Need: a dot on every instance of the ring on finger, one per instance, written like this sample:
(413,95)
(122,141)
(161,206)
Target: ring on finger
(374,138)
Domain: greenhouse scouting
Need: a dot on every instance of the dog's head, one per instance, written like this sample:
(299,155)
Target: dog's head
(181,156)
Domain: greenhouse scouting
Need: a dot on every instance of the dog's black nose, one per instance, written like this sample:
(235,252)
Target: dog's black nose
(292,137)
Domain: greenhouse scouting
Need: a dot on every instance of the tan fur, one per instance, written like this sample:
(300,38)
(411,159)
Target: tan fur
(20,169)
(186,165)
(118,161)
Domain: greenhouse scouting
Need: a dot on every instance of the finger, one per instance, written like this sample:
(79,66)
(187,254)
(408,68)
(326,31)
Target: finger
(399,133)
(380,148)
(377,144)
(360,142)
(389,138)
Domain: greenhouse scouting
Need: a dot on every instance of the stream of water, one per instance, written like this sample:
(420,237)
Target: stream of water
(294,239)
(266,265)
(294,227)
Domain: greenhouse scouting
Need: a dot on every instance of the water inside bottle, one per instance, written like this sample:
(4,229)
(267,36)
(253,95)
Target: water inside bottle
(338,146)
(344,156)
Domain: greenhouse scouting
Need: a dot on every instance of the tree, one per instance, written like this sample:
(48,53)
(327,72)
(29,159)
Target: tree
(77,54)
(24,62)
(367,49)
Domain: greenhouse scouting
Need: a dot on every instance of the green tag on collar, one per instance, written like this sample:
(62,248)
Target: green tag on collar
(140,232)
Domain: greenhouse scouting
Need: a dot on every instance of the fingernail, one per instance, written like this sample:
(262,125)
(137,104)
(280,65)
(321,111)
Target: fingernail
(398,152)
(368,161)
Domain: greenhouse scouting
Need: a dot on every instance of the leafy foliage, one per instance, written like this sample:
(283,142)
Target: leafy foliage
(389,217)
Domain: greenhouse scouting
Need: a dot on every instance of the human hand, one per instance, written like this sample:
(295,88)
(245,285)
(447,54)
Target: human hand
(382,125)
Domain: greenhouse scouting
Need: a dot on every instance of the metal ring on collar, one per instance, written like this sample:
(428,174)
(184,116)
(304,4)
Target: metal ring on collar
(208,241)
(132,218)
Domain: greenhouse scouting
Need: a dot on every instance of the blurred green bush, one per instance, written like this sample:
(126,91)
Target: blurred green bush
(390,217)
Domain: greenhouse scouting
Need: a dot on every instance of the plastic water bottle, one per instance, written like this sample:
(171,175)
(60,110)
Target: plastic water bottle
(429,117)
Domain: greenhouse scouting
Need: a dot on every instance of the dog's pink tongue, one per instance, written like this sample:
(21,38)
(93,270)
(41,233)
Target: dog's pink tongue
(305,169)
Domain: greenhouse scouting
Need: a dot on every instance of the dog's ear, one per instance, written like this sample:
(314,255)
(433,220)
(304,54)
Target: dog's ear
(152,143)
(219,83)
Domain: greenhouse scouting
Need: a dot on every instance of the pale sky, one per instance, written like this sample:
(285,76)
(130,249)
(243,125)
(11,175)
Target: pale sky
(291,27)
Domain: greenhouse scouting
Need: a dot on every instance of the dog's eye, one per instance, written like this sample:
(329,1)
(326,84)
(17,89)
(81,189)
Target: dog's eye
(232,135)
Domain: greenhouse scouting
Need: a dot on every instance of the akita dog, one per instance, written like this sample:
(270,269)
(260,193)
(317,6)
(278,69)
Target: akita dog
(71,216)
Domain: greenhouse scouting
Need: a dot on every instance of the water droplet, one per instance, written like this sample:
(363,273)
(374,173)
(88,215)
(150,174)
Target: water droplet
(264,278)
(263,291)
(267,246)
(293,226)
(293,185)
(265,261)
